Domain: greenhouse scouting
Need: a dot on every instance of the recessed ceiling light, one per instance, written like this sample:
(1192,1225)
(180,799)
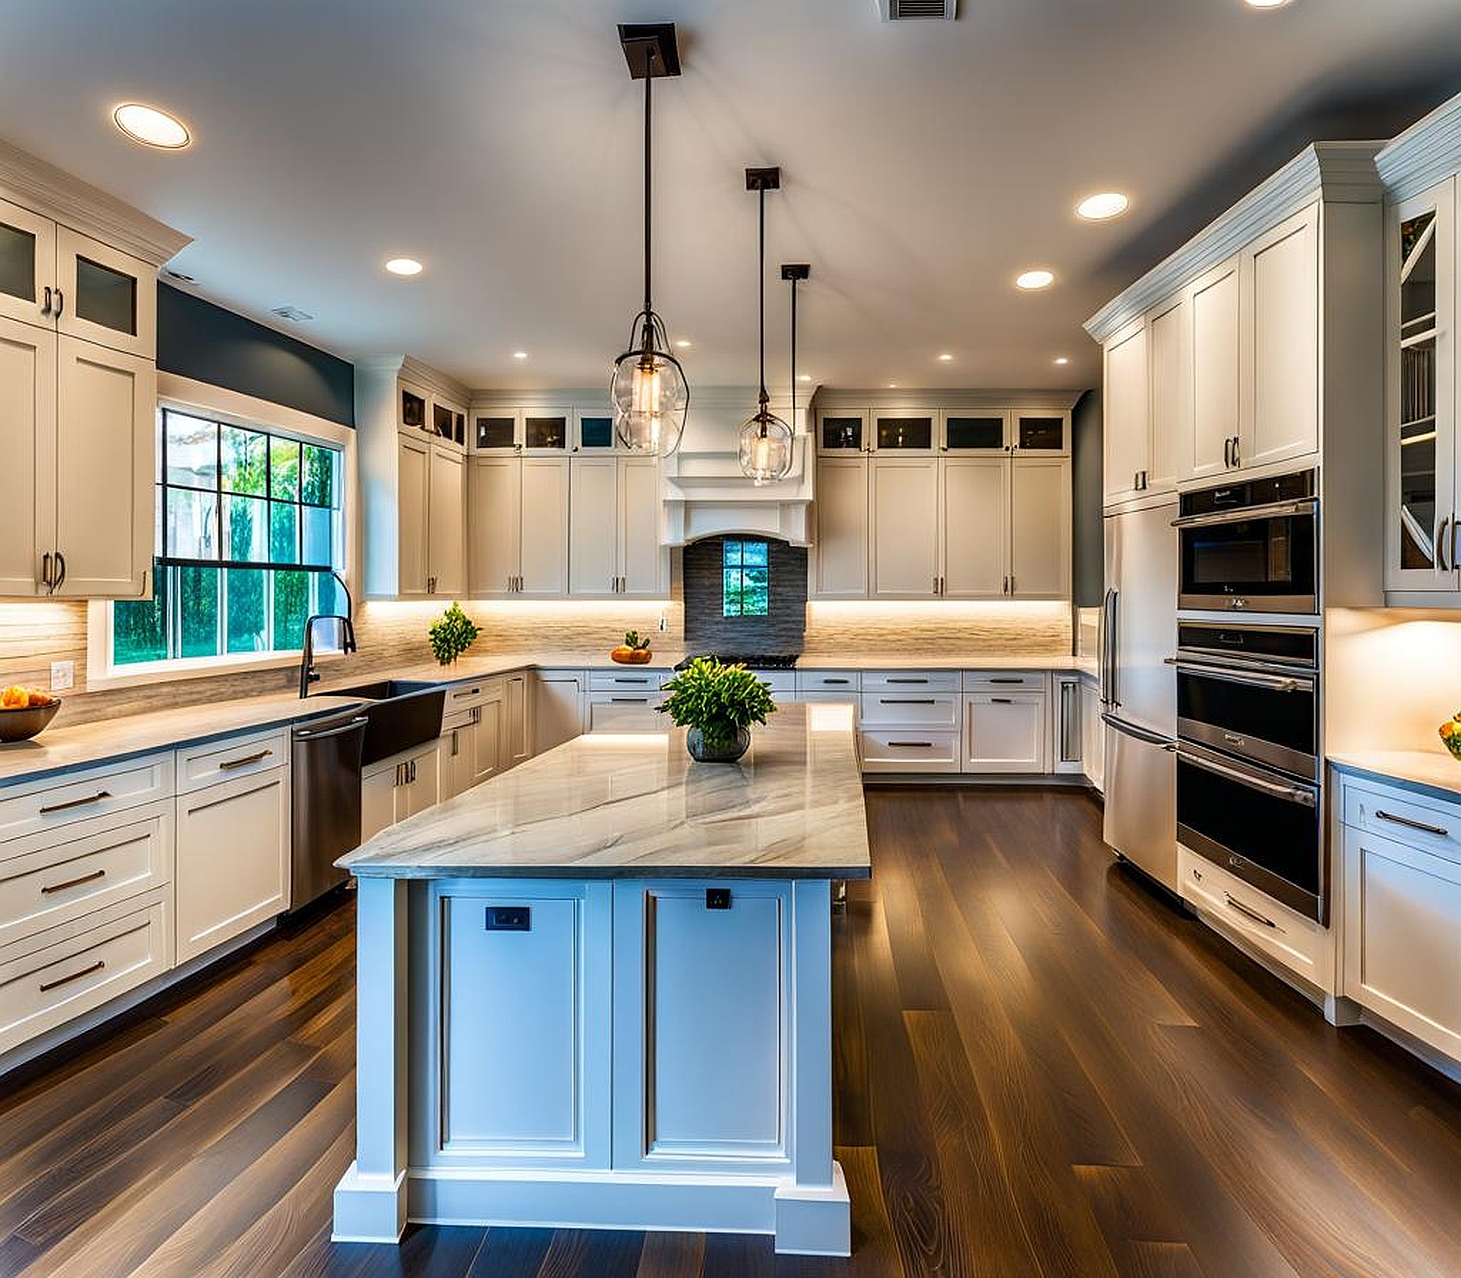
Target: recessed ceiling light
(151,127)
(1061,360)
(1267,4)
(683,343)
(892,385)
(804,377)
(1098,208)
(519,354)
(1034,279)
(403,266)
(945,358)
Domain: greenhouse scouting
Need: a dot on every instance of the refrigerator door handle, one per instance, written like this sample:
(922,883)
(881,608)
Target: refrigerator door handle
(1113,684)
(1141,734)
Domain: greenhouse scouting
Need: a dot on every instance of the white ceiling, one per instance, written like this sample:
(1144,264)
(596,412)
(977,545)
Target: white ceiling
(924,164)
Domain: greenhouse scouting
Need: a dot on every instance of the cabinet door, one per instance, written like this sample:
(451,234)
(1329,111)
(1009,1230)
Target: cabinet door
(423,790)
(107,297)
(1420,417)
(27,436)
(1045,434)
(377,801)
(488,736)
(593,509)
(1283,346)
(27,265)
(1127,412)
(232,868)
(976,525)
(841,509)
(1214,302)
(106,417)
(446,536)
(1402,937)
(455,768)
(1040,528)
(544,571)
(641,558)
(1004,732)
(905,526)
(1171,400)
(516,728)
(1093,736)
(413,514)
(1066,741)
(494,516)
(557,708)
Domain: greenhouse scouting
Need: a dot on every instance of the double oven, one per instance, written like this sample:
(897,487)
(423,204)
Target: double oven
(1248,692)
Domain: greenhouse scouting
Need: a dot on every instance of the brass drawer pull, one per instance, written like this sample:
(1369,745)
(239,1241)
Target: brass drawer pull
(229,764)
(75,976)
(1438,830)
(76,803)
(71,883)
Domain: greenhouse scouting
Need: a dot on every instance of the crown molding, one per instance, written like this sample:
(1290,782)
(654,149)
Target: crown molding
(27,180)
(931,398)
(1336,172)
(1426,153)
(415,370)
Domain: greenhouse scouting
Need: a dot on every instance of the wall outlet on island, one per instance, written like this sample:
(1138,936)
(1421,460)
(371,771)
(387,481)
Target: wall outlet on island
(63,675)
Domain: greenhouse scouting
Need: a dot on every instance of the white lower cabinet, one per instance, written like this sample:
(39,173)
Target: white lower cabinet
(1066,739)
(517,728)
(485,735)
(627,699)
(398,787)
(1005,732)
(1401,922)
(232,859)
(1093,735)
(558,705)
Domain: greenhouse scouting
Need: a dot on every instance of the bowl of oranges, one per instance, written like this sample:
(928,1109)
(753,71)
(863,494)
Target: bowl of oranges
(24,712)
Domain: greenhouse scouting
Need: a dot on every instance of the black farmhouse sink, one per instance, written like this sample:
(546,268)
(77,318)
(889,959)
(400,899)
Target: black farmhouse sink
(400,713)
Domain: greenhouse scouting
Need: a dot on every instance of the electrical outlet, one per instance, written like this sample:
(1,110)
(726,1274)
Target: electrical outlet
(63,675)
(664,623)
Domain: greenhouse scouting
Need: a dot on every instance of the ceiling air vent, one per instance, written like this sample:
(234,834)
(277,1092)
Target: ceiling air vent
(917,10)
(292,313)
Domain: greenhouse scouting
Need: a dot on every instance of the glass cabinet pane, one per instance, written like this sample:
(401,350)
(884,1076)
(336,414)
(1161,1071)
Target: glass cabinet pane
(17,262)
(1417,506)
(545,432)
(413,411)
(1036,433)
(596,432)
(442,420)
(105,296)
(981,434)
(496,432)
(842,432)
(913,434)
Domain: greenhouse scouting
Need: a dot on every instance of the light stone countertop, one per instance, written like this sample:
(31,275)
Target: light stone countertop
(636,806)
(1432,772)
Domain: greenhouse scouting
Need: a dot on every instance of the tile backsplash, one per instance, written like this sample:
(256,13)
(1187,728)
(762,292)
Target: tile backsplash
(945,628)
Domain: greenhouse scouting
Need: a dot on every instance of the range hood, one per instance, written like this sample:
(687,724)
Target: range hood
(706,494)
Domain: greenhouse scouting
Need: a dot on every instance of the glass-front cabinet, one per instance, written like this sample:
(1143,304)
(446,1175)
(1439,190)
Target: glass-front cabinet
(842,433)
(595,432)
(976,432)
(905,432)
(1422,536)
(546,430)
(1043,434)
(27,265)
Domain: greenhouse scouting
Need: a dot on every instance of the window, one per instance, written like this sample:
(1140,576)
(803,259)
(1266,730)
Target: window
(747,572)
(249,526)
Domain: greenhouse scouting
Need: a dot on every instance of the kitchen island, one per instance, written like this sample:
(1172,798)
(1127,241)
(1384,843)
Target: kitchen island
(596,992)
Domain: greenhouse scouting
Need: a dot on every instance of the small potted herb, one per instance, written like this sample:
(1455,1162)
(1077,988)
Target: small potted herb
(451,634)
(718,704)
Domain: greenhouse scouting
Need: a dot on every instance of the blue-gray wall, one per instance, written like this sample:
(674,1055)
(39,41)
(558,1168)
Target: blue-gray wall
(200,340)
(1088,553)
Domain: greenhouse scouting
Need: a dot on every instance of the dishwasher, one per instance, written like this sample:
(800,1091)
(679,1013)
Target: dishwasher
(326,818)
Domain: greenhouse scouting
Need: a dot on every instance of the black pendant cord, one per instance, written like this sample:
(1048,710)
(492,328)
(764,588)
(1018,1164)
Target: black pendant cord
(761,281)
(793,355)
(648,186)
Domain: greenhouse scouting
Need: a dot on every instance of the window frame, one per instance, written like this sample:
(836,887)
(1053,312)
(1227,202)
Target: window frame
(740,568)
(247,412)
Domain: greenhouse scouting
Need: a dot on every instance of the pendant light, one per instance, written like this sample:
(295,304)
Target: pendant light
(796,273)
(765,450)
(647,389)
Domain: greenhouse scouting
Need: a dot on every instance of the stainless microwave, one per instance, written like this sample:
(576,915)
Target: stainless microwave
(1250,546)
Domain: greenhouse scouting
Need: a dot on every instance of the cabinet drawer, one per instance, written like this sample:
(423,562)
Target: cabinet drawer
(203,765)
(892,750)
(466,696)
(640,678)
(1005,732)
(912,708)
(45,881)
(828,681)
(81,969)
(626,712)
(781,682)
(1005,681)
(1291,940)
(95,792)
(894,681)
(1417,820)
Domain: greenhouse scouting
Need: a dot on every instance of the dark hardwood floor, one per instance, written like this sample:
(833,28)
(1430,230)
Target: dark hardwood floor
(1041,1068)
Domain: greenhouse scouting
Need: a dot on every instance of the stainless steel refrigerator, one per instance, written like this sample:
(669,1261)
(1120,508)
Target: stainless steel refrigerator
(1139,689)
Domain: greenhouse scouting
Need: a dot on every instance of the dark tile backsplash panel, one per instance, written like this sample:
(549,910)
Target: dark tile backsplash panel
(707,629)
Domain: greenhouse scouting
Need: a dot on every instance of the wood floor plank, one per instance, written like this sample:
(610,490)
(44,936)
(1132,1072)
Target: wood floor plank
(671,1256)
(612,1253)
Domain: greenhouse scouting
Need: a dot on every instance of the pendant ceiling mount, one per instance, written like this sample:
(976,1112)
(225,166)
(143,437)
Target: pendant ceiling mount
(765,445)
(647,388)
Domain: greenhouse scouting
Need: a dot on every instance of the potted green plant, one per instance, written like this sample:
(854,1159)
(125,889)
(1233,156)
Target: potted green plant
(451,634)
(718,704)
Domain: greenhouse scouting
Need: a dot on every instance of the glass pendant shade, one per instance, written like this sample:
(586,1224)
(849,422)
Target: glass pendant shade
(765,451)
(649,396)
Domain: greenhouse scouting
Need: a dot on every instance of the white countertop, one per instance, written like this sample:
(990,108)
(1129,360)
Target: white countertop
(1425,771)
(637,806)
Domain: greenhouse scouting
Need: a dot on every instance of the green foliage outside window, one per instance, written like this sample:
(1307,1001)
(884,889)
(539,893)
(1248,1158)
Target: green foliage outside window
(746,569)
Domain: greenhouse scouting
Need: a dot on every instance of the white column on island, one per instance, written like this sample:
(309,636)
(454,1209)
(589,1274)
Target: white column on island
(370,1200)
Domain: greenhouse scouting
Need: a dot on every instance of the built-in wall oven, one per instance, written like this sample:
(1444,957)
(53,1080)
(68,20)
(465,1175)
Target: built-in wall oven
(1251,545)
(1248,757)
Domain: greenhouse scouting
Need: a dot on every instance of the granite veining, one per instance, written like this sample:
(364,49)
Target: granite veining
(1431,772)
(636,806)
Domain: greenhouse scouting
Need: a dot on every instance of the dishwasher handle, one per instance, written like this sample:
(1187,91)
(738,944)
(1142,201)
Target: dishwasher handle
(303,734)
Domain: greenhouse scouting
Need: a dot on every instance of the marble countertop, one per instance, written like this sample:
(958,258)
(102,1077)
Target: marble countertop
(636,806)
(1431,772)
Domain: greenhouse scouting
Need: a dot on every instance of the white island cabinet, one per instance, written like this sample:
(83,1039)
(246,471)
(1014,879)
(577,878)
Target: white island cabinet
(598,989)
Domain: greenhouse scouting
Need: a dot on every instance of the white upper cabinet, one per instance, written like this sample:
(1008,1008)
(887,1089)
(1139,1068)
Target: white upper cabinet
(1127,418)
(413,489)
(1169,344)
(905,528)
(839,561)
(976,527)
(1039,529)
(1216,387)
(613,535)
(27,265)
(27,441)
(104,295)
(1282,269)
(543,565)
(446,523)
(643,570)
(518,516)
